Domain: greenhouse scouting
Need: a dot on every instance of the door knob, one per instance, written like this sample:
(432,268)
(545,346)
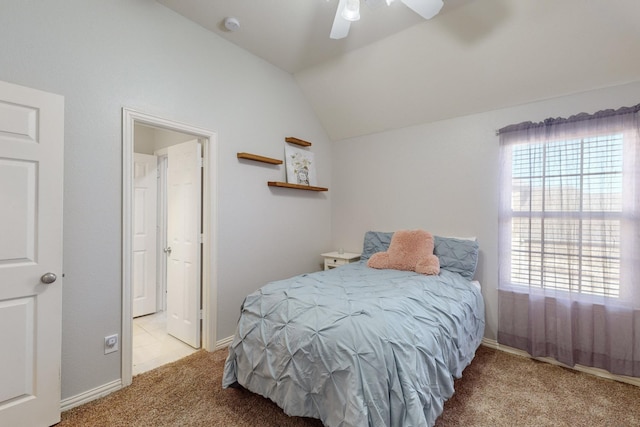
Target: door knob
(168,250)
(48,278)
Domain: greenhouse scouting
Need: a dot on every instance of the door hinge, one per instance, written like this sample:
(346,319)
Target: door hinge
(200,162)
(200,314)
(201,238)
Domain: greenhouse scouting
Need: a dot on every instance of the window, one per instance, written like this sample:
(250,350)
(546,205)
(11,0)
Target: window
(569,239)
(569,219)
(566,203)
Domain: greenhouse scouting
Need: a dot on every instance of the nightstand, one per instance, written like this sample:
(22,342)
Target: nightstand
(336,259)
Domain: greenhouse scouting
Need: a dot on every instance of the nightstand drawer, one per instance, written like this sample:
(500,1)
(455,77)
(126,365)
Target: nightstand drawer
(334,262)
(336,259)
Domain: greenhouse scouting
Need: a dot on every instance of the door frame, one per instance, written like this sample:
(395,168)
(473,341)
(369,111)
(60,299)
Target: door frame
(208,138)
(161,270)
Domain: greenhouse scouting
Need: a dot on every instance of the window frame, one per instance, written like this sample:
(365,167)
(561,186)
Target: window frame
(623,217)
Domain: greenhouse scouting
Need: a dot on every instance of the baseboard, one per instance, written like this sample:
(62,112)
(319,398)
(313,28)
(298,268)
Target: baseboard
(89,395)
(223,343)
(586,369)
(105,389)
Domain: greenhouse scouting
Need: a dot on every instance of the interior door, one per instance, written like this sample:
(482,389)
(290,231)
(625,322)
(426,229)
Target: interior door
(145,196)
(31,173)
(184,184)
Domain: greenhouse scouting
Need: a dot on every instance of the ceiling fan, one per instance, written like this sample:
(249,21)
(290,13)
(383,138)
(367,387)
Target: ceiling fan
(349,11)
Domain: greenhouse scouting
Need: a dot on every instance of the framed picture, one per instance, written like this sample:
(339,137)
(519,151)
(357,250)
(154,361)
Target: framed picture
(301,166)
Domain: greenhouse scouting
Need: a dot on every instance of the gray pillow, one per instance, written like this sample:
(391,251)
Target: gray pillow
(375,241)
(457,255)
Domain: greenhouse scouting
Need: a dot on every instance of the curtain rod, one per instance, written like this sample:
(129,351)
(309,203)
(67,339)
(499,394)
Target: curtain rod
(575,118)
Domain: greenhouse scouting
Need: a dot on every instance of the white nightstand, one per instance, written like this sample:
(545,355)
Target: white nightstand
(336,259)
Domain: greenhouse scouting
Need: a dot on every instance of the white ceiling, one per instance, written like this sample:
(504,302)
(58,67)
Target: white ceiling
(395,69)
(294,34)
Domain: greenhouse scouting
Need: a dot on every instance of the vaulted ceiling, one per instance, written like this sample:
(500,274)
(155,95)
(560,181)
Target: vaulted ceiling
(395,69)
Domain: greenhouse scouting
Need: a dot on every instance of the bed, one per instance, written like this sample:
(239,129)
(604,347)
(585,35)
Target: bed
(356,346)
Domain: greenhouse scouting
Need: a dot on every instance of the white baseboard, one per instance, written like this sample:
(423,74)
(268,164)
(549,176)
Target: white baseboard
(224,343)
(586,369)
(89,395)
(105,389)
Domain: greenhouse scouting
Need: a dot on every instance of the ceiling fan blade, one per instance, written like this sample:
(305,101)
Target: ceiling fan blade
(341,26)
(425,8)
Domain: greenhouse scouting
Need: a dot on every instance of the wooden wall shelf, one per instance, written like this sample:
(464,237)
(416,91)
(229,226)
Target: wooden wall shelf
(257,158)
(295,186)
(298,141)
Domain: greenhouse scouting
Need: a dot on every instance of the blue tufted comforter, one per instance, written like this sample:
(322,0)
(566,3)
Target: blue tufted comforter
(356,346)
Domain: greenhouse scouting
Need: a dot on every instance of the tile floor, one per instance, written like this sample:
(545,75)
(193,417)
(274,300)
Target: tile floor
(152,346)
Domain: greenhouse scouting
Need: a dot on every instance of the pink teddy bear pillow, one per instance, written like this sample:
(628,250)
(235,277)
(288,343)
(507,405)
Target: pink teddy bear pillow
(410,250)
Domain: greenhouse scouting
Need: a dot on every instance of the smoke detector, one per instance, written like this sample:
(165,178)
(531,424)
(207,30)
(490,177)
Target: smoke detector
(231,24)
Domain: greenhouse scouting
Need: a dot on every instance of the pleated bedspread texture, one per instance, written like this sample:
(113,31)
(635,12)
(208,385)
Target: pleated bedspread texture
(356,346)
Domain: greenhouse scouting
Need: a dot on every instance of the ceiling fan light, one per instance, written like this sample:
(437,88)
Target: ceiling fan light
(389,2)
(351,11)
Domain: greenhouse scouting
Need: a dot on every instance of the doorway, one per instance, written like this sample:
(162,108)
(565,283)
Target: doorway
(167,253)
(168,285)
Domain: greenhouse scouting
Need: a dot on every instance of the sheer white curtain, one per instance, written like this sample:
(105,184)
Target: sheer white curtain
(569,239)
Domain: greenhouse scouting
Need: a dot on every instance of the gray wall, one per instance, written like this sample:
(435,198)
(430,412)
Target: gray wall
(105,55)
(442,177)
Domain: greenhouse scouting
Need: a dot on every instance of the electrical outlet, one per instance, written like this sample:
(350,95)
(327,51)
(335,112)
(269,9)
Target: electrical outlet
(110,344)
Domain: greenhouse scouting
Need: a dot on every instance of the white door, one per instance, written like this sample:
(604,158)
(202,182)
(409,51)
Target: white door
(183,237)
(145,196)
(31,172)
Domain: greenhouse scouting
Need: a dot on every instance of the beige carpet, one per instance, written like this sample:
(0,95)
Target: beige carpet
(497,389)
